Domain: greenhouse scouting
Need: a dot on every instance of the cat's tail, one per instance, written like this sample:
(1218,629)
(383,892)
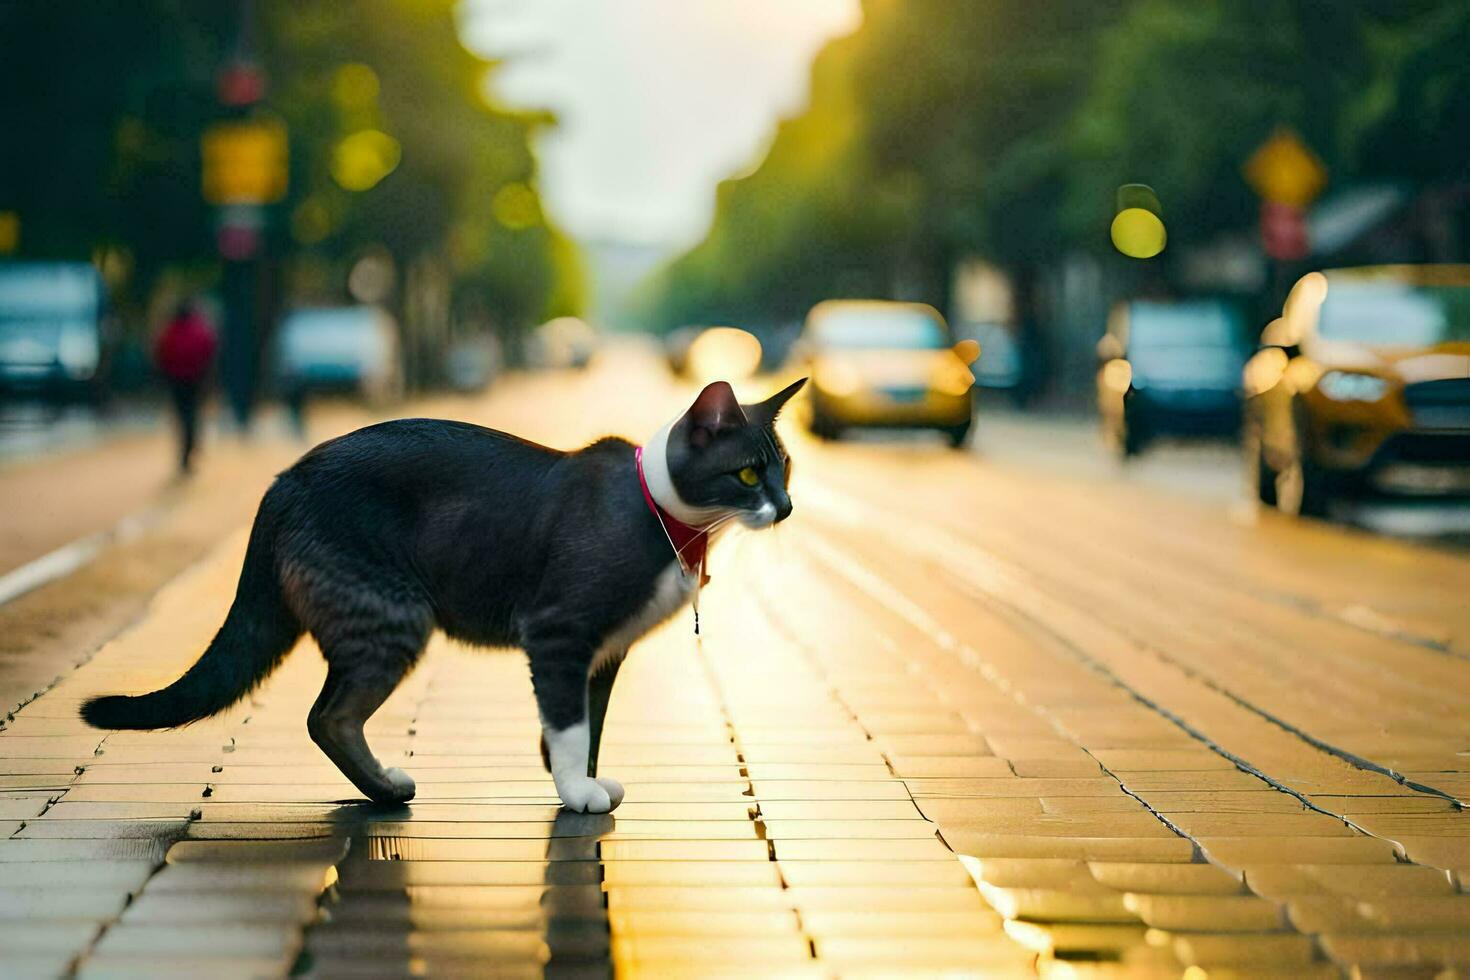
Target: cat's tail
(258,632)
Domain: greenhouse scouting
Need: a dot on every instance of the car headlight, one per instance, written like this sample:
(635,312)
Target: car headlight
(1349,386)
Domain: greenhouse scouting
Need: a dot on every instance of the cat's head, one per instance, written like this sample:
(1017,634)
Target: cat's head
(722,459)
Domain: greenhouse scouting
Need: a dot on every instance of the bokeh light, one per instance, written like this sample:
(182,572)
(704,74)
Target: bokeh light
(1138,225)
(1138,234)
(363,159)
(515,207)
(724,354)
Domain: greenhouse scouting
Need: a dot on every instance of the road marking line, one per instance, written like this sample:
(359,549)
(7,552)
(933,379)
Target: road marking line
(71,557)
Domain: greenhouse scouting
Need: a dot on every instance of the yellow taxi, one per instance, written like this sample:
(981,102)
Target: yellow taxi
(886,364)
(1362,387)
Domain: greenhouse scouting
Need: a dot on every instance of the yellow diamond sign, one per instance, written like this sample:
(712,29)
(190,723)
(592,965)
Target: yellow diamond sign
(9,232)
(245,162)
(1284,170)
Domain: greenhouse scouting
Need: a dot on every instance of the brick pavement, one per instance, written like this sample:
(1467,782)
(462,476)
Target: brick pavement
(928,739)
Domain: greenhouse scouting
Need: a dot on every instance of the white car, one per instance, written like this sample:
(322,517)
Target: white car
(352,349)
(51,326)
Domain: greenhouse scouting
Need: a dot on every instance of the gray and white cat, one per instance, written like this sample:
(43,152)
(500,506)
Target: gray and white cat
(372,540)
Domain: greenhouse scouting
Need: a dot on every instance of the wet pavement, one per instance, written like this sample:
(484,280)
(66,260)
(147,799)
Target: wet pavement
(959,715)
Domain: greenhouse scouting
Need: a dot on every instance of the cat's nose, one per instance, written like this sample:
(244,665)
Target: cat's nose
(783,508)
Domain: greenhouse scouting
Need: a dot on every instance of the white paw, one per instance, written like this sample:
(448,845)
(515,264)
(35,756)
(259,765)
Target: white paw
(614,790)
(583,794)
(403,785)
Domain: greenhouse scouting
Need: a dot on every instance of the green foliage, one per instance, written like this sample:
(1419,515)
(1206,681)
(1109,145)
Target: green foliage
(107,107)
(1003,128)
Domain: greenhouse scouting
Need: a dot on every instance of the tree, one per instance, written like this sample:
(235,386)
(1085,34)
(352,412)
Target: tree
(1003,128)
(115,100)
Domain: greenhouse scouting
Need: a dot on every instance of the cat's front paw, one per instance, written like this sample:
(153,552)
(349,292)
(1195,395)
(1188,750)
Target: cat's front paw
(401,787)
(614,790)
(583,794)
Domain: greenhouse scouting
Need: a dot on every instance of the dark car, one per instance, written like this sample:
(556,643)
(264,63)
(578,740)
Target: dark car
(1362,388)
(51,330)
(1170,368)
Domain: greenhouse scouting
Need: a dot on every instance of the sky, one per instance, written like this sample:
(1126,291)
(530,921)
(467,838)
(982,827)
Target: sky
(659,100)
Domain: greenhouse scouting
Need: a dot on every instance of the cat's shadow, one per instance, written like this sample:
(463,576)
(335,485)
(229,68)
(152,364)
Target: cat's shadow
(572,909)
(572,902)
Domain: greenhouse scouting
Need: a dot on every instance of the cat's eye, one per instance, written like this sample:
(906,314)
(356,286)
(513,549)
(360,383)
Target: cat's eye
(749,476)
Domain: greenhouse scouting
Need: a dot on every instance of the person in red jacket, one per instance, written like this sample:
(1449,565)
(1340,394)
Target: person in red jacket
(183,354)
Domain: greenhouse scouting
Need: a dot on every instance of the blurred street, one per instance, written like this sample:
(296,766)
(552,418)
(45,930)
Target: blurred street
(1011,710)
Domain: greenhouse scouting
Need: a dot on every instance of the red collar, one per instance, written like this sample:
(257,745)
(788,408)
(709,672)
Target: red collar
(690,543)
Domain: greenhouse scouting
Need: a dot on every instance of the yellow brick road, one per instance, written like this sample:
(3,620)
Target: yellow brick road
(958,716)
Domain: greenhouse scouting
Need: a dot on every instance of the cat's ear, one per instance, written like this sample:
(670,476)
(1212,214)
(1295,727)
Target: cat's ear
(764,413)
(715,410)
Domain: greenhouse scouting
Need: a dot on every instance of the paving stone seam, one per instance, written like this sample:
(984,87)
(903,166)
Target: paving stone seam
(771,611)
(712,678)
(1320,744)
(1385,628)
(995,567)
(1128,604)
(1380,625)
(1210,683)
(778,624)
(1377,624)
(1317,742)
(1205,680)
(1369,666)
(861,577)
(921,620)
(970,659)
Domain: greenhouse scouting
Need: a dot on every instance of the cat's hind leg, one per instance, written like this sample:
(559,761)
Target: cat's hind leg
(361,674)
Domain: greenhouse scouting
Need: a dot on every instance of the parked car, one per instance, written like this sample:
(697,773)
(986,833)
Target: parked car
(1169,368)
(883,364)
(353,349)
(52,318)
(1362,387)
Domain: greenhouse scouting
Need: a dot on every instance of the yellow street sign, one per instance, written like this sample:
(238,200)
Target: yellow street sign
(9,232)
(1284,170)
(245,162)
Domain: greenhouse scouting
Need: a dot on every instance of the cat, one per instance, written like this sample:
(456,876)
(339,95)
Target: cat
(373,539)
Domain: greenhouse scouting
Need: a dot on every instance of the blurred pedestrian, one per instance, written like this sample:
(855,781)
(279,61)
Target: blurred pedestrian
(183,354)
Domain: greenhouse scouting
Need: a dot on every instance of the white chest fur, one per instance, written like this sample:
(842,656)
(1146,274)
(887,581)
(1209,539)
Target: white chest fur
(671,591)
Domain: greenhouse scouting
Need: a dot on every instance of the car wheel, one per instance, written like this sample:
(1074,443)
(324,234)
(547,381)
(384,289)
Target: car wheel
(1133,429)
(1133,440)
(957,435)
